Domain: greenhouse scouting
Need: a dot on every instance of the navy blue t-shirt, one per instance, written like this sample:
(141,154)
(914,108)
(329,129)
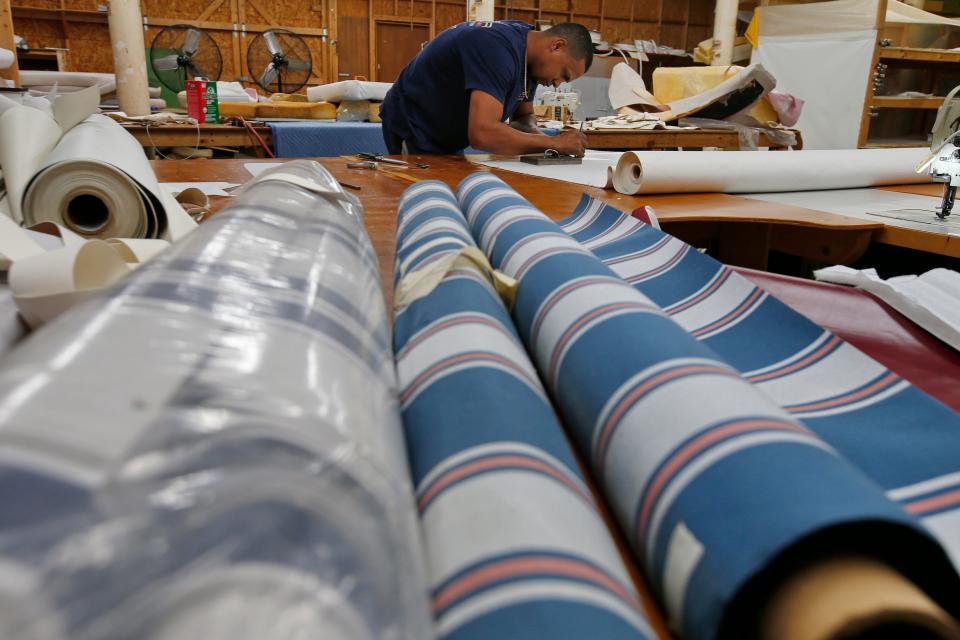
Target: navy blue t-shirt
(429,104)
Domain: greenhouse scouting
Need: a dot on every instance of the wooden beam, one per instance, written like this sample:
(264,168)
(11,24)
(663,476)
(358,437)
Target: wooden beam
(210,10)
(7,42)
(880,20)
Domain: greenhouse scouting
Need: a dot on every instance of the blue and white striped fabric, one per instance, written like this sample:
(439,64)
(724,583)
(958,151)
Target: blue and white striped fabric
(710,479)
(907,442)
(515,544)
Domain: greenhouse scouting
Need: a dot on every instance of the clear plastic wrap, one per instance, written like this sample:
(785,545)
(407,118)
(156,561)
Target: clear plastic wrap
(213,449)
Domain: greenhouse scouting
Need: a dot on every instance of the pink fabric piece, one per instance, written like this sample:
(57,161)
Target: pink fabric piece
(788,107)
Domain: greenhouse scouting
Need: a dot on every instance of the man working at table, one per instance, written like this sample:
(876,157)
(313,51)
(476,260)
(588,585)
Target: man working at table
(464,85)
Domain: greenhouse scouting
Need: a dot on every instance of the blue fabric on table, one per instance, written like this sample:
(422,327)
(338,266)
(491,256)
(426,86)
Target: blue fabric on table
(515,544)
(308,139)
(711,480)
(329,139)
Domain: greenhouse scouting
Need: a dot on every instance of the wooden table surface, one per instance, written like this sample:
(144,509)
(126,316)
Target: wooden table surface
(634,139)
(741,230)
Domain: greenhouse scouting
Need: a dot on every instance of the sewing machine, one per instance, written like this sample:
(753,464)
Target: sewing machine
(945,167)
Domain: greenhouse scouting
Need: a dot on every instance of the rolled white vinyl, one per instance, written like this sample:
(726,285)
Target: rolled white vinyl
(98,183)
(635,172)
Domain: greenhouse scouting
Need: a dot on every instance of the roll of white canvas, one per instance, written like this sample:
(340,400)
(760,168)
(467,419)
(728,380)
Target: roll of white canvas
(6,58)
(98,183)
(636,172)
(129,58)
(27,136)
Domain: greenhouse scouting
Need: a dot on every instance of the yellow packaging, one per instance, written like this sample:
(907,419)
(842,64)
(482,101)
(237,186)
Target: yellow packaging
(675,83)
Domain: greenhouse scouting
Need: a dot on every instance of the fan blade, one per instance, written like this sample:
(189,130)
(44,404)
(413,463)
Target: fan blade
(191,42)
(197,72)
(269,75)
(166,63)
(273,43)
(298,65)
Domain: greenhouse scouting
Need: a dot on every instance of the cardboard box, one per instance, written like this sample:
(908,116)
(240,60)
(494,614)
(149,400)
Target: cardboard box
(202,101)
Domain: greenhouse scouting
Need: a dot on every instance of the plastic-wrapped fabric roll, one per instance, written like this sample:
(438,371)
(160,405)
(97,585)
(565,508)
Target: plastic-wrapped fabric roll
(514,541)
(718,489)
(98,182)
(907,442)
(214,449)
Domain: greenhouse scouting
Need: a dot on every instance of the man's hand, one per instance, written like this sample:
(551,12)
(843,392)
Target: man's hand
(571,142)
(487,132)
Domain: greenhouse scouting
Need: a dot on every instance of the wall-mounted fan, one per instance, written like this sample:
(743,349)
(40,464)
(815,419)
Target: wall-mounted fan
(182,52)
(279,60)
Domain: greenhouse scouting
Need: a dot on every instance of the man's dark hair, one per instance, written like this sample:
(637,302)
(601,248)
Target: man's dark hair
(579,43)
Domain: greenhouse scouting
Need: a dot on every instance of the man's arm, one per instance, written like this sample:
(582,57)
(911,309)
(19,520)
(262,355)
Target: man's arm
(523,119)
(487,132)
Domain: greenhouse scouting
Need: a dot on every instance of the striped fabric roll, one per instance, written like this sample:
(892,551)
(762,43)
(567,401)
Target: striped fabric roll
(907,442)
(515,544)
(711,480)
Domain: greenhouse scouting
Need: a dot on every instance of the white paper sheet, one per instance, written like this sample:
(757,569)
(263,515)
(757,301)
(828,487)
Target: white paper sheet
(209,188)
(256,168)
(904,210)
(931,300)
(737,171)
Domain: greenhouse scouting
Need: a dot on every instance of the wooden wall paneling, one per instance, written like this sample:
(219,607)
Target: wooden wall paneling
(449,15)
(7,41)
(90,47)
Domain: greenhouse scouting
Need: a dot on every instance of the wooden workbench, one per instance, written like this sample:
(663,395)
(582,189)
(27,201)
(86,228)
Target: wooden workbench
(225,135)
(207,135)
(634,139)
(742,231)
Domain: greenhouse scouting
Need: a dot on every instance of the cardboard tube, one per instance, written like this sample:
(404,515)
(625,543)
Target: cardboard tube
(129,58)
(844,597)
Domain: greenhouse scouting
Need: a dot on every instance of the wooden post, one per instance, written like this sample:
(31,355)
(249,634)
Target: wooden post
(6,41)
(868,97)
(129,57)
(724,32)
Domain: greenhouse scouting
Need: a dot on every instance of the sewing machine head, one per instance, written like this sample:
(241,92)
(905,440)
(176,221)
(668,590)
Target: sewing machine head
(945,167)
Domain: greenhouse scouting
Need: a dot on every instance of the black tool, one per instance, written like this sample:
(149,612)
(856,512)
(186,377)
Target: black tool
(550,156)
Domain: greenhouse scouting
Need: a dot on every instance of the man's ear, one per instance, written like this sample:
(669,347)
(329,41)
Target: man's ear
(558,44)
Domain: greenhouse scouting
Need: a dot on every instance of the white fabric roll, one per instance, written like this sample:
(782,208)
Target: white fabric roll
(6,58)
(349,90)
(733,171)
(98,182)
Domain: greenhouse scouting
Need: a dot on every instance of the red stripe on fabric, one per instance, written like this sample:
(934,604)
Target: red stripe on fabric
(800,364)
(453,361)
(495,462)
(641,254)
(724,275)
(730,317)
(934,503)
(519,567)
(659,379)
(695,447)
(558,295)
(446,324)
(572,329)
(883,382)
(664,267)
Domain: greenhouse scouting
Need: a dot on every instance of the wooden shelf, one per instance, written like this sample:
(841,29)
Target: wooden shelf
(920,55)
(894,102)
(73,15)
(906,144)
